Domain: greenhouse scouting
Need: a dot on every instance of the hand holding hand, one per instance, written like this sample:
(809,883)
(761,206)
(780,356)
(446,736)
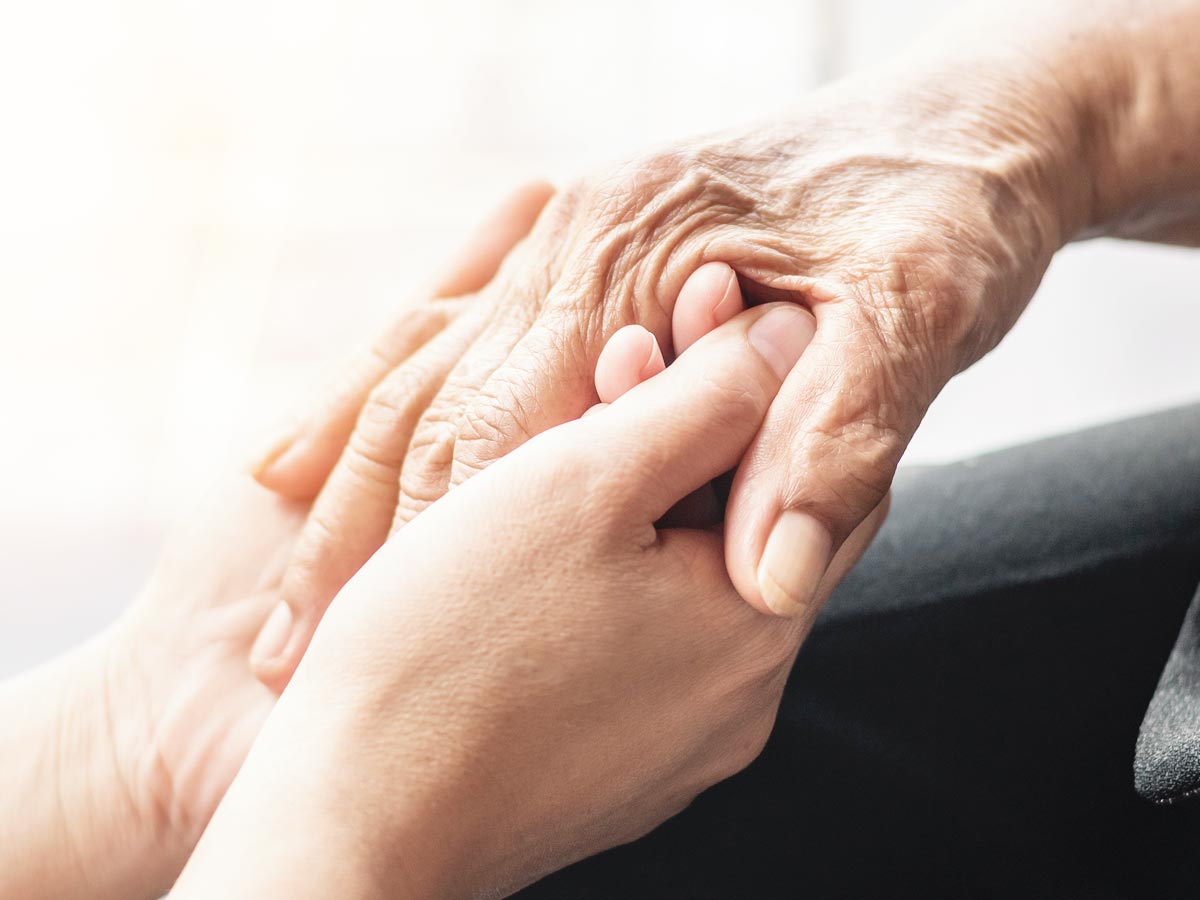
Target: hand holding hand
(531,671)
(913,225)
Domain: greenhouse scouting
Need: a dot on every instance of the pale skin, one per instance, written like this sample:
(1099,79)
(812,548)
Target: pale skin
(527,753)
(912,208)
(117,754)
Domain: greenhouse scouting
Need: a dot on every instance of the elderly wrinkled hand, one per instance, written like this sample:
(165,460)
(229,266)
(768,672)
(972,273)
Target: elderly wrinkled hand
(913,209)
(912,255)
(534,668)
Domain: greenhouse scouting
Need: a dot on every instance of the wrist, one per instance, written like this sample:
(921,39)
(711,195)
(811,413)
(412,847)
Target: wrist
(1148,77)
(85,831)
(1105,94)
(395,815)
(331,818)
(1020,120)
(120,830)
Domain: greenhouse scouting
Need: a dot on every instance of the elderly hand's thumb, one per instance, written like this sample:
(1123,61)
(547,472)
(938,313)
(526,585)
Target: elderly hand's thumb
(809,495)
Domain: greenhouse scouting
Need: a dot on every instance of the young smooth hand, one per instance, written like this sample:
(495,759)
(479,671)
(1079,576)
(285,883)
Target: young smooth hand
(533,670)
(116,754)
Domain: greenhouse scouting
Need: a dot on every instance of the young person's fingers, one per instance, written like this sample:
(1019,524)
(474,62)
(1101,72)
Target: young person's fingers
(631,356)
(710,297)
(297,464)
(676,432)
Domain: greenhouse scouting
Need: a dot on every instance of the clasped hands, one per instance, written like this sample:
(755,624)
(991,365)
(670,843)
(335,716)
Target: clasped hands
(562,643)
(547,661)
(390,441)
(544,639)
(560,646)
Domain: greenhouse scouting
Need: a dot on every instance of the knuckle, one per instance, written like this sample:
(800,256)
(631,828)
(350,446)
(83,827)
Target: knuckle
(491,424)
(636,223)
(851,440)
(733,401)
(367,471)
(424,475)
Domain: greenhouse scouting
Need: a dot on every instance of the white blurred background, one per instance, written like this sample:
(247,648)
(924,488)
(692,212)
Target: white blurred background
(205,204)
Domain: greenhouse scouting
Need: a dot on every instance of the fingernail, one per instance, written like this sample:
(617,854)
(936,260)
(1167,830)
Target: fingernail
(274,636)
(781,336)
(731,301)
(654,360)
(798,552)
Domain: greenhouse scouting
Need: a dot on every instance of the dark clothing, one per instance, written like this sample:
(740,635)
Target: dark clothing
(962,721)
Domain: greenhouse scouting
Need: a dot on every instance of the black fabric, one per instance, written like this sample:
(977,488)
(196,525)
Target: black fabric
(962,721)
(1167,764)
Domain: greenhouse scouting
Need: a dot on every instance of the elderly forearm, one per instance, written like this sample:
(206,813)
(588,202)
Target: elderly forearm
(1153,181)
(1114,87)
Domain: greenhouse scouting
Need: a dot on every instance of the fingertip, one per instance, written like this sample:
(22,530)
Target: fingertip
(630,357)
(654,363)
(269,659)
(533,196)
(294,467)
(263,457)
(477,262)
(853,548)
(791,567)
(710,297)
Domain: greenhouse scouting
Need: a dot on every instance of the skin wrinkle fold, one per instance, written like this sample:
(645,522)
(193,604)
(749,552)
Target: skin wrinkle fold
(913,211)
(431,451)
(915,222)
(389,404)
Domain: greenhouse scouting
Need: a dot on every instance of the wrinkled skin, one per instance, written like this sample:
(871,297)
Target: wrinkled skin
(533,671)
(185,706)
(172,686)
(913,226)
(186,643)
